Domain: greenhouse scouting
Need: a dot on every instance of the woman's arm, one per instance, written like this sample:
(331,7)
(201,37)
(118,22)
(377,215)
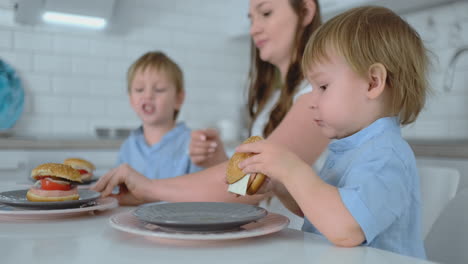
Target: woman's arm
(206,185)
(297,132)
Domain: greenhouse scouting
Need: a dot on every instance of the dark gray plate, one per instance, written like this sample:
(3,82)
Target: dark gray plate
(18,199)
(91,180)
(199,216)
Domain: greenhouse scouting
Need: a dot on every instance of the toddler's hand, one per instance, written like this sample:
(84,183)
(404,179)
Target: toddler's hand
(272,160)
(206,148)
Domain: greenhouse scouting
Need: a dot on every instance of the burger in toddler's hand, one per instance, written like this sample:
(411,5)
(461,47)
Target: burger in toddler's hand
(239,182)
(85,167)
(54,183)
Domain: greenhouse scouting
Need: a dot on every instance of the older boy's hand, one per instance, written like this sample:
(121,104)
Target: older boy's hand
(272,160)
(206,148)
(134,188)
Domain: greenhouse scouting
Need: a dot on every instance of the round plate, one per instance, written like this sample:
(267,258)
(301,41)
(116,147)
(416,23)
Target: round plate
(127,222)
(199,216)
(13,213)
(18,199)
(89,181)
(11,96)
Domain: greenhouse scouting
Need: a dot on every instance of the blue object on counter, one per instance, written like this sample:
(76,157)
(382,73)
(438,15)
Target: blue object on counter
(11,96)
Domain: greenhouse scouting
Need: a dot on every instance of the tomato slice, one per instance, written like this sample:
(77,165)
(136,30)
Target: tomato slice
(51,186)
(83,171)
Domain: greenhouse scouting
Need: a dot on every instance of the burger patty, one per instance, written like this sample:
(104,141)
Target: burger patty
(54,193)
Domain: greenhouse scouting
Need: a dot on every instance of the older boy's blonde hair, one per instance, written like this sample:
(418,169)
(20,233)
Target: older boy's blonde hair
(368,35)
(158,61)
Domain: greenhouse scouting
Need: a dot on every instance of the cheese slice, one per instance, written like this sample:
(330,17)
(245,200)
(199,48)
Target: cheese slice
(240,186)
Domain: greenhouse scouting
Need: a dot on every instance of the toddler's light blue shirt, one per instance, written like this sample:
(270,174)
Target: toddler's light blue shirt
(165,159)
(377,178)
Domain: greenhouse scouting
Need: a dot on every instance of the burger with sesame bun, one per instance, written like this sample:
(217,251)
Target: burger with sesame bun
(235,174)
(54,183)
(85,167)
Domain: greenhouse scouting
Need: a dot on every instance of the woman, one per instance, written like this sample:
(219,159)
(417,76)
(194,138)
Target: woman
(279,30)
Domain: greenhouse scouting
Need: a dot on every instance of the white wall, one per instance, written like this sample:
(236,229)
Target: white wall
(75,80)
(444,29)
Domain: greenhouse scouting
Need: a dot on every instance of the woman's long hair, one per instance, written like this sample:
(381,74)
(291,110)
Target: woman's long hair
(264,76)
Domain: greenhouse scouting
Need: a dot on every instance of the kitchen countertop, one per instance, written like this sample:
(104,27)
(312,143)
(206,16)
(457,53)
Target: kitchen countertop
(31,143)
(456,149)
(89,238)
(422,148)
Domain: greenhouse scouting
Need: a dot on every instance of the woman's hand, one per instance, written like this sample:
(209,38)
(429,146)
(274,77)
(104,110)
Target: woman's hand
(206,148)
(134,187)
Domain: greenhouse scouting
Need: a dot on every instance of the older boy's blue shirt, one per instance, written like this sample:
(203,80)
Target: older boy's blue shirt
(165,159)
(376,175)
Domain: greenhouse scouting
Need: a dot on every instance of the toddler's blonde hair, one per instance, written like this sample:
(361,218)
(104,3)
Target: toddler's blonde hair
(368,35)
(158,61)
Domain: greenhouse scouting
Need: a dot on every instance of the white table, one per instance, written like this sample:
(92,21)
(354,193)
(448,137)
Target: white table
(90,239)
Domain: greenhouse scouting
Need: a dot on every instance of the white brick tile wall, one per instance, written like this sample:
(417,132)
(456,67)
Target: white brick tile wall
(70,45)
(52,64)
(41,83)
(117,68)
(50,105)
(111,47)
(119,108)
(179,55)
(85,66)
(70,85)
(32,41)
(20,60)
(135,50)
(88,107)
(458,128)
(460,80)
(108,88)
(444,30)
(75,126)
(82,73)
(6,38)
(34,125)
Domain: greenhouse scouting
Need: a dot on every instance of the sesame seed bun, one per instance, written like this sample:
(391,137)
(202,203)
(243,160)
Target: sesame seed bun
(57,170)
(79,164)
(256,183)
(234,173)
